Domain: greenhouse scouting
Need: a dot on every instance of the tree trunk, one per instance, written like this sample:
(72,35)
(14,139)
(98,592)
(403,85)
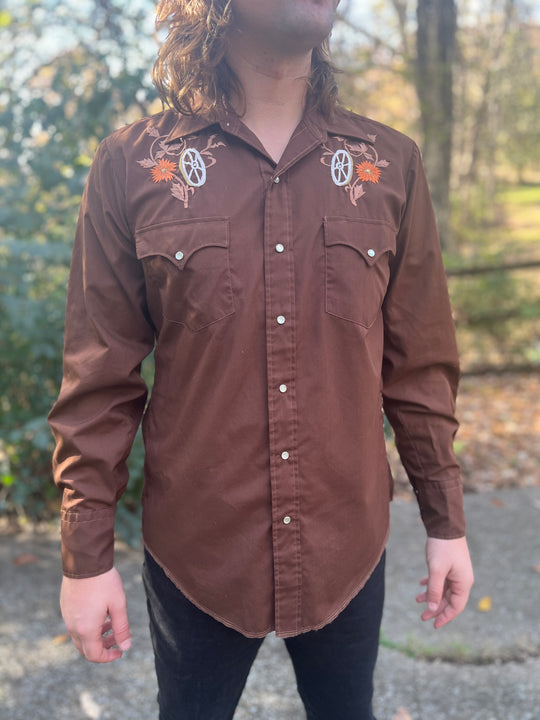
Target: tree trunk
(436,40)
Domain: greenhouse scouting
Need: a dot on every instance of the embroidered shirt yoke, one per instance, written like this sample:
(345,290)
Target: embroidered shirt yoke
(288,305)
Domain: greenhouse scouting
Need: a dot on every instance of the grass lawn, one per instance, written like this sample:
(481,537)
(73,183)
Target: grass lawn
(521,216)
(507,232)
(498,314)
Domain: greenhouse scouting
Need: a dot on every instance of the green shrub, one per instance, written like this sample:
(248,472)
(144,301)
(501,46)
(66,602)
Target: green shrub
(33,280)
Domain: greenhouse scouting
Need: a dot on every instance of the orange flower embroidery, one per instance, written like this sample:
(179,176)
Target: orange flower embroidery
(164,170)
(367,172)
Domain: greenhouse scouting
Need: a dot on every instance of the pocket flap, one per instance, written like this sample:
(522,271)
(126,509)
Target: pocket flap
(178,240)
(369,239)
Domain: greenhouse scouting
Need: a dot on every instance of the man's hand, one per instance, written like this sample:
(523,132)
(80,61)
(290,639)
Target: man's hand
(449,581)
(94,610)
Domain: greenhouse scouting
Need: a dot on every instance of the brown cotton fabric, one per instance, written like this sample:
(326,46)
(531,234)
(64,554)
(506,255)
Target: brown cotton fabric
(288,306)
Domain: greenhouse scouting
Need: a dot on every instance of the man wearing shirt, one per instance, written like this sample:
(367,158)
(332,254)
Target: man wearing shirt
(280,256)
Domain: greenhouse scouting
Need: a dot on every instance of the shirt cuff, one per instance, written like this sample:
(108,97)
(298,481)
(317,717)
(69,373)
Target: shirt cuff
(87,542)
(441,509)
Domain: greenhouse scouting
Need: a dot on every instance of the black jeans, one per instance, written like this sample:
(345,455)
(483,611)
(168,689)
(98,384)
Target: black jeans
(202,665)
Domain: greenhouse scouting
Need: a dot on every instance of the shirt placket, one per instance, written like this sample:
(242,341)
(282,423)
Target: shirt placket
(281,373)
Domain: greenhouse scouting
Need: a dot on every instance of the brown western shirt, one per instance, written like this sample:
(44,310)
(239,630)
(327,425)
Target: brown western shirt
(287,306)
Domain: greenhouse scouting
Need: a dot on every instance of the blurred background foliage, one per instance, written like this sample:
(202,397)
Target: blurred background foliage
(462,79)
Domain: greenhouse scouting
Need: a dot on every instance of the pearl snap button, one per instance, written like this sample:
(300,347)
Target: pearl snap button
(284,455)
(280,319)
(276,179)
(371,252)
(286,520)
(283,388)
(179,255)
(280,248)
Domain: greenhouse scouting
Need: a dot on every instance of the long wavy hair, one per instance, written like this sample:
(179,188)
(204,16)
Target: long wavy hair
(191,72)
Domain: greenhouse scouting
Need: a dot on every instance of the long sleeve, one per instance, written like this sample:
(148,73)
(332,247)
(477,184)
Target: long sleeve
(420,363)
(108,333)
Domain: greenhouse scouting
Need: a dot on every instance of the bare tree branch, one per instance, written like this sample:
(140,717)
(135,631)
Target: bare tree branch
(376,40)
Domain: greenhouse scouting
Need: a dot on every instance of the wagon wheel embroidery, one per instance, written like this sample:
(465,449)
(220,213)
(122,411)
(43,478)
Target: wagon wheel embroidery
(192,167)
(349,175)
(342,167)
(179,163)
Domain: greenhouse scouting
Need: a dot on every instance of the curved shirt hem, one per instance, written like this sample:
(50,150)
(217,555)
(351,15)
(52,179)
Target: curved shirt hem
(261,634)
(200,605)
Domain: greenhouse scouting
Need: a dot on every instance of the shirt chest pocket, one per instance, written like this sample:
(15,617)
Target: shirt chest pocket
(186,264)
(356,268)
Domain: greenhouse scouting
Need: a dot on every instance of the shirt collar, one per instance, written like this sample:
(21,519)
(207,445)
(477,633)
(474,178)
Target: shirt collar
(346,124)
(341,123)
(192,124)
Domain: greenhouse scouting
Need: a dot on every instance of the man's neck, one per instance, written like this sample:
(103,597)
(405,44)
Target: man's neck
(275,93)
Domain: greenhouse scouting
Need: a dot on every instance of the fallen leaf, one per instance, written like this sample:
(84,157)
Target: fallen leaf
(25,559)
(60,639)
(89,706)
(484,604)
(402,714)
(498,503)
